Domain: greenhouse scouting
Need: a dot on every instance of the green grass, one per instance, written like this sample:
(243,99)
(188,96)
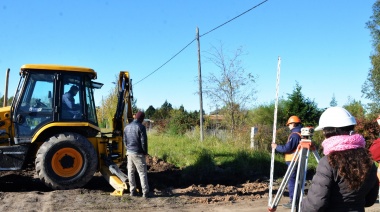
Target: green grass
(205,159)
(183,151)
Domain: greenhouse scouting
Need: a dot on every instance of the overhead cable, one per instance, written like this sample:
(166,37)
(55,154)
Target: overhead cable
(233,18)
(166,61)
(200,36)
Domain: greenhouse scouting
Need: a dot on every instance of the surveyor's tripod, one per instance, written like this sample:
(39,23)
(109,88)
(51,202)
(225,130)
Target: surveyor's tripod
(300,159)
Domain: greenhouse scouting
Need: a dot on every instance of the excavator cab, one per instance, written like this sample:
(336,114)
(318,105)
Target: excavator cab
(42,97)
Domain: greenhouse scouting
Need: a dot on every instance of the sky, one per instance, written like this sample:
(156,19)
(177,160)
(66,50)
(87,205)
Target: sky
(324,45)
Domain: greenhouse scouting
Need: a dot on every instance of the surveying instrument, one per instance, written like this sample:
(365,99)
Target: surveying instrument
(299,159)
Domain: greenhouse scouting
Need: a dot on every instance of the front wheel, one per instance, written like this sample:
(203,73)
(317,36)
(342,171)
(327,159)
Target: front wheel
(66,161)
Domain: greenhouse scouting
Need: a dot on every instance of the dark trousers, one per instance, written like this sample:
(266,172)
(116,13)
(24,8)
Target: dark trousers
(292,181)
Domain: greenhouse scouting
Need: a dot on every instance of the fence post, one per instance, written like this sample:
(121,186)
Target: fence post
(253,133)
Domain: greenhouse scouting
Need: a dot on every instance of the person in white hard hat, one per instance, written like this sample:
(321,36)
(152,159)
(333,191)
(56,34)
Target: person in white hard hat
(345,179)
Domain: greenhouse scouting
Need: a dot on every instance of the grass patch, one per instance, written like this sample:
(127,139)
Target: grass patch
(208,160)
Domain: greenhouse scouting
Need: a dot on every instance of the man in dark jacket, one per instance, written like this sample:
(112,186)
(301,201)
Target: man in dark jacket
(70,110)
(136,141)
(68,99)
(294,124)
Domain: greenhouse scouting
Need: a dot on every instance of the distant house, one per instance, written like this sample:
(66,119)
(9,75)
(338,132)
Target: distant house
(215,121)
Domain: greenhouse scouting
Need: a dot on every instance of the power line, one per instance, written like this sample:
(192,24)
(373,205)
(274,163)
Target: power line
(200,36)
(234,18)
(166,61)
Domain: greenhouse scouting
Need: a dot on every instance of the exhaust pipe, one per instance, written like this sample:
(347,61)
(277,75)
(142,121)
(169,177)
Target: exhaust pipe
(5,102)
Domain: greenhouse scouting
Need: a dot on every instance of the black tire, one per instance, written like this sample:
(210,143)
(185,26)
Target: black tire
(66,161)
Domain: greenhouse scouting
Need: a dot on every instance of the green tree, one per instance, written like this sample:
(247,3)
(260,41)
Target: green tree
(231,86)
(182,108)
(264,114)
(194,116)
(371,87)
(163,112)
(333,101)
(366,126)
(302,107)
(150,112)
(180,121)
(9,102)
(356,108)
(108,107)
(135,109)
(162,116)
(101,115)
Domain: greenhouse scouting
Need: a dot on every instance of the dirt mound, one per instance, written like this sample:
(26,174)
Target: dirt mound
(222,193)
(156,164)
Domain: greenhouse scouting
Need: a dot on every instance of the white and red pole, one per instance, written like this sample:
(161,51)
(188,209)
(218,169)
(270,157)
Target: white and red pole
(274,132)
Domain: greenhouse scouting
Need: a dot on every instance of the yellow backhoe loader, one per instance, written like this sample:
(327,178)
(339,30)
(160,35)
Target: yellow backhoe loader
(63,139)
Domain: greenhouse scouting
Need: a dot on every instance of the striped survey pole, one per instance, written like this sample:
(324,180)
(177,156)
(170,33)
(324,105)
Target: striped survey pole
(274,133)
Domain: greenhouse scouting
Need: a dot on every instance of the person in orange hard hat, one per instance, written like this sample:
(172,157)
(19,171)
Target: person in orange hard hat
(295,125)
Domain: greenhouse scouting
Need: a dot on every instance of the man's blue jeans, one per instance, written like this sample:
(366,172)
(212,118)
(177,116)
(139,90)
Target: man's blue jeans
(292,181)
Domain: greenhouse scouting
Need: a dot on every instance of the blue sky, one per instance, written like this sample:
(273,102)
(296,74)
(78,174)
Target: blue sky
(324,45)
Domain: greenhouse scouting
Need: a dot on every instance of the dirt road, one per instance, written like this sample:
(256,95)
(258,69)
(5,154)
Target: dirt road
(21,191)
(92,199)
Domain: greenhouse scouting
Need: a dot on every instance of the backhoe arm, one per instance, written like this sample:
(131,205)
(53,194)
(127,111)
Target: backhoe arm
(123,111)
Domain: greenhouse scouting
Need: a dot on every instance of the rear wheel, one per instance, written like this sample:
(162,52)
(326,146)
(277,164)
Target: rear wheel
(66,161)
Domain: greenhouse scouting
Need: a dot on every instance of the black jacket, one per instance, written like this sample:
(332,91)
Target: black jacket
(329,192)
(135,138)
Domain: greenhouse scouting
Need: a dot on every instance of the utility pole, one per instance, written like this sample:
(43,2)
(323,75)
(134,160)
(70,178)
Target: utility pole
(200,86)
